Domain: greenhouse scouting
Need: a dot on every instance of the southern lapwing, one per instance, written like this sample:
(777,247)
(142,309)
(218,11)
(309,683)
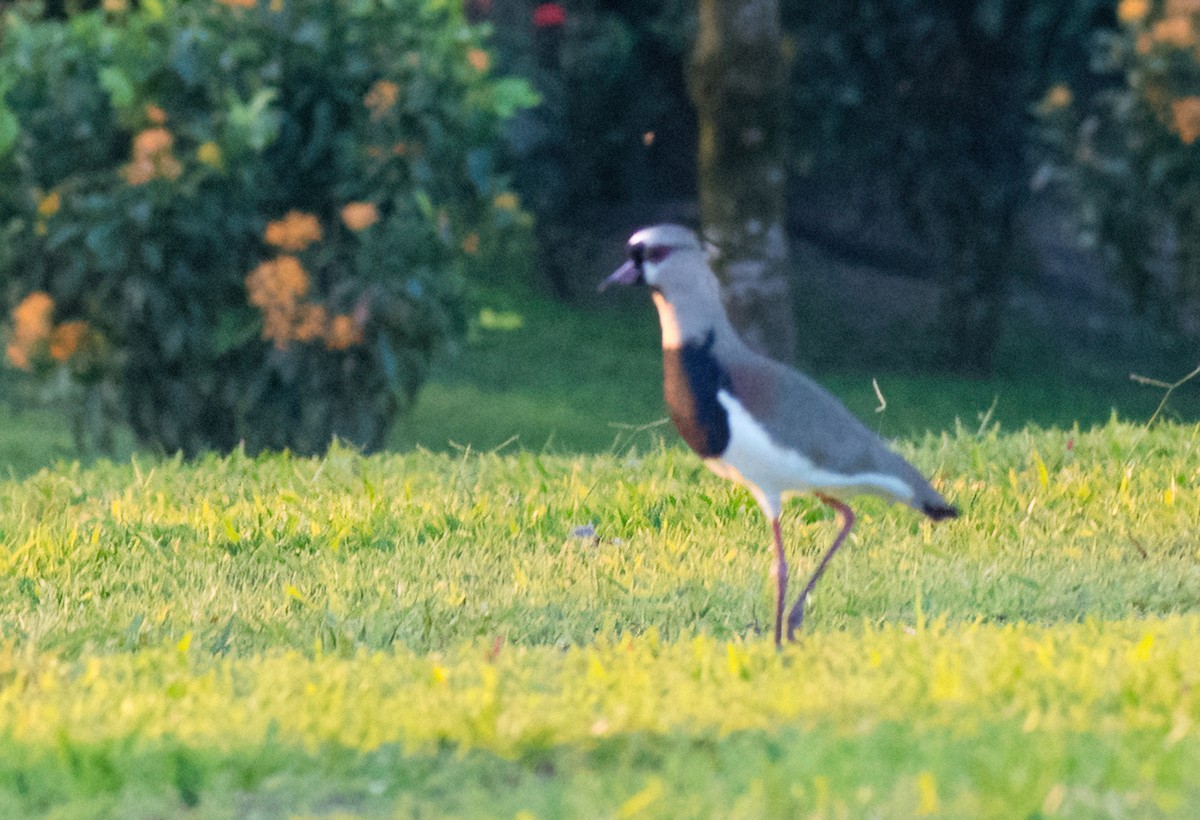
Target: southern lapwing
(756,421)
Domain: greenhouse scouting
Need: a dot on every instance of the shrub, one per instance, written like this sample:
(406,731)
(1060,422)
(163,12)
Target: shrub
(1131,156)
(924,105)
(615,128)
(257,215)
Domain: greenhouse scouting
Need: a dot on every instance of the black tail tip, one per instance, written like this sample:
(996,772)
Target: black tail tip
(940,512)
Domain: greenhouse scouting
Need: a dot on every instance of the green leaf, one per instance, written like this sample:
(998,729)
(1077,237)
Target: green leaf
(10,128)
(502,320)
(511,94)
(255,123)
(235,327)
(120,89)
(425,204)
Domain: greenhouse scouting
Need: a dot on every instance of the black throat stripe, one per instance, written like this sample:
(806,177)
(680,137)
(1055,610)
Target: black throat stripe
(691,379)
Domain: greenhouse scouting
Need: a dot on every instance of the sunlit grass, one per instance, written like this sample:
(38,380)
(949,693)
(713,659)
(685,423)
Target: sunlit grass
(967,720)
(434,633)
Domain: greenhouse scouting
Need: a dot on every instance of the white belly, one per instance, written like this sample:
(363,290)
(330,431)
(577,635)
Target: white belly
(769,471)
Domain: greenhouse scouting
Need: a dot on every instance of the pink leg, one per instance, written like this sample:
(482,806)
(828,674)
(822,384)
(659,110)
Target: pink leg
(780,571)
(796,616)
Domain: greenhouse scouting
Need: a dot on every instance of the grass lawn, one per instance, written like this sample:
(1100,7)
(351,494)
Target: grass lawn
(574,621)
(589,380)
(427,634)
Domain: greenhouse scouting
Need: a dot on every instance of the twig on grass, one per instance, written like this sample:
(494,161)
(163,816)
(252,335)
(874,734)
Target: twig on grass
(1170,388)
(986,418)
(627,432)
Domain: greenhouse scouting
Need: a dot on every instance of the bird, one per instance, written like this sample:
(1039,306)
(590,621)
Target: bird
(754,420)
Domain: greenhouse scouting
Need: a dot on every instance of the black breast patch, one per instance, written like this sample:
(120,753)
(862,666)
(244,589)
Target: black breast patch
(691,379)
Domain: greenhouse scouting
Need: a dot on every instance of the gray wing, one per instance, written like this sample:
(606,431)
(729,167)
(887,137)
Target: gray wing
(803,415)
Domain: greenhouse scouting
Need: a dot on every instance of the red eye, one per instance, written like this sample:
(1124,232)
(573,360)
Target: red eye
(657,253)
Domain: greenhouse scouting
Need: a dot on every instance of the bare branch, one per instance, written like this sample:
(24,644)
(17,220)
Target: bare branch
(1170,388)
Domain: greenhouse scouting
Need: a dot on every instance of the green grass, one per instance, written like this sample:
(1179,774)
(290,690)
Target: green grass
(425,634)
(1078,720)
(588,379)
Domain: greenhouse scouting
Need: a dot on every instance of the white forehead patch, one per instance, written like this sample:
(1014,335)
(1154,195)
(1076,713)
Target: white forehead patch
(675,236)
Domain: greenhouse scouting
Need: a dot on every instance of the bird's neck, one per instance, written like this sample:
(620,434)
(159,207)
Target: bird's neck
(668,320)
(692,318)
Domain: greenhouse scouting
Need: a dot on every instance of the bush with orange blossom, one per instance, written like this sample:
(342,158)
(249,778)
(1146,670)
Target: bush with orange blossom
(252,222)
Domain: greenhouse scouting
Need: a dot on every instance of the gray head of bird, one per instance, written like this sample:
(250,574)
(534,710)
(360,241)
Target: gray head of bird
(670,259)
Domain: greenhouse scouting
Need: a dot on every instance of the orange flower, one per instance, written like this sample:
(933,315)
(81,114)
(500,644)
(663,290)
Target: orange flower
(506,201)
(65,339)
(49,205)
(31,327)
(1132,11)
(295,232)
(310,323)
(470,244)
(343,333)
(18,356)
(277,282)
(34,311)
(152,157)
(139,172)
(381,97)
(277,327)
(1059,96)
(239,4)
(156,115)
(1183,6)
(1185,118)
(1174,31)
(479,59)
(359,216)
(277,287)
(152,141)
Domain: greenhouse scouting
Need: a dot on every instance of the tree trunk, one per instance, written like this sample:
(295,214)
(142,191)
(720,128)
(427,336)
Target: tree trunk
(978,285)
(987,186)
(738,83)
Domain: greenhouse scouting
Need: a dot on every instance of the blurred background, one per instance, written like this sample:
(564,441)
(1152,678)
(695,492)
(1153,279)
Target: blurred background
(230,223)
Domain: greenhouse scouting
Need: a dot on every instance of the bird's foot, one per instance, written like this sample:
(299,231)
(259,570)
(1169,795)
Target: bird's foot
(795,620)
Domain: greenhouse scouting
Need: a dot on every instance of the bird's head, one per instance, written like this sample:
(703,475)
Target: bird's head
(661,256)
